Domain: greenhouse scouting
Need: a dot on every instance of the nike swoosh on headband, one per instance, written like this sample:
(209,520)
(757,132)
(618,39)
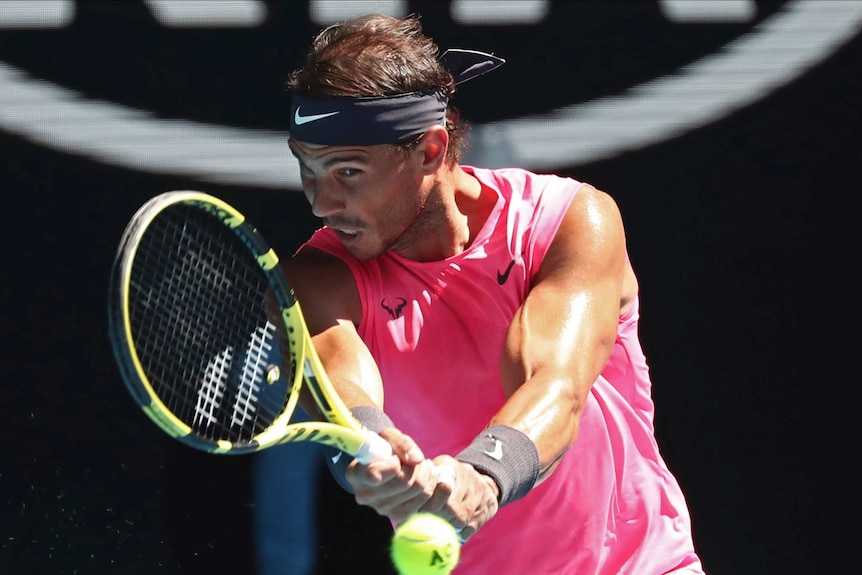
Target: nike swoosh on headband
(299,119)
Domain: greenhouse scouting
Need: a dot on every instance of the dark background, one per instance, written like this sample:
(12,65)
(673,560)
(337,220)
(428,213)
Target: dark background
(742,232)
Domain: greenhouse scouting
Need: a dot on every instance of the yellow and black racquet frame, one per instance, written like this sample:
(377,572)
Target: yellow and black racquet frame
(209,338)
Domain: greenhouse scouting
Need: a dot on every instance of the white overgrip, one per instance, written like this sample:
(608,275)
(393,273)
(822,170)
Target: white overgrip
(373,448)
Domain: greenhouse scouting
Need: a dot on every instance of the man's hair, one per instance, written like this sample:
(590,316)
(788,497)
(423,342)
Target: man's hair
(378,55)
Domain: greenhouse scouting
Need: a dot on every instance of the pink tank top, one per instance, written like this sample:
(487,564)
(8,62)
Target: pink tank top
(436,330)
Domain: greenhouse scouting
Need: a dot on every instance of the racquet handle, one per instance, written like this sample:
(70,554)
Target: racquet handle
(373,447)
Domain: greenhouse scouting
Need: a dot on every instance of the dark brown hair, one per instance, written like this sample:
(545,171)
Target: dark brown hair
(378,55)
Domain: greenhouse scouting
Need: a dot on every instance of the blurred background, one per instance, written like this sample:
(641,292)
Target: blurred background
(728,131)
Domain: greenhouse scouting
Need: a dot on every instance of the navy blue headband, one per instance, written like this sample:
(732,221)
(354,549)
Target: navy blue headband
(368,121)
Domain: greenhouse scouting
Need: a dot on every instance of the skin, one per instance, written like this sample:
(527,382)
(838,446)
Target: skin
(422,208)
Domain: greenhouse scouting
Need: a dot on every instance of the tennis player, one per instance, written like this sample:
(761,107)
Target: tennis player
(483,321)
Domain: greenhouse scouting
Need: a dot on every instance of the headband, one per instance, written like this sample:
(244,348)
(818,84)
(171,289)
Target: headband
(372,120)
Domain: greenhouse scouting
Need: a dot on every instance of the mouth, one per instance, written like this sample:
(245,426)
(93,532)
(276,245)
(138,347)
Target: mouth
(347,231)
(347,236)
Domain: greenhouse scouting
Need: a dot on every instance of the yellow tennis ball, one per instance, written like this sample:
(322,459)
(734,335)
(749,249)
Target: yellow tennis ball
(425,544)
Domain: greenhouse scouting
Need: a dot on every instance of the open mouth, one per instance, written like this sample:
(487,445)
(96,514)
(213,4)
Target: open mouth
(347,236)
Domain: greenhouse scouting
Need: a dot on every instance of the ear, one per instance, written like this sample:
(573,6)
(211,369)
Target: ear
(433,147)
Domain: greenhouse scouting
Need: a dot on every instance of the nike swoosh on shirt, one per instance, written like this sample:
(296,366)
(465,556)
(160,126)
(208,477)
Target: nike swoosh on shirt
(299,119)
(504,275)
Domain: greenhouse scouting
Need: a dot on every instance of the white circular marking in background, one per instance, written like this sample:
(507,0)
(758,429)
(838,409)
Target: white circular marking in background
(780,49)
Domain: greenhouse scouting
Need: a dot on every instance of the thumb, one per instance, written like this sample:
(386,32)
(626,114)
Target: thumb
(403,446)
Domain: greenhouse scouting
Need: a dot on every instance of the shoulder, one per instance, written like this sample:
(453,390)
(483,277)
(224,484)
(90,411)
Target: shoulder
(324,286)
(590,234)
(522,183)
(593,211)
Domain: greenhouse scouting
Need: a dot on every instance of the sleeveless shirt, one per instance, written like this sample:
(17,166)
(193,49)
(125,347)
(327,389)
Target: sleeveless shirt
(436,330)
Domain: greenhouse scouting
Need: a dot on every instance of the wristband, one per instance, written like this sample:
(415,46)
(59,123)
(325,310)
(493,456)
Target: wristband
(506,455)
(371,417)
(337,461)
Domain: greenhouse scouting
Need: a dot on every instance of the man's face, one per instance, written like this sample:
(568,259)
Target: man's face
(369,195)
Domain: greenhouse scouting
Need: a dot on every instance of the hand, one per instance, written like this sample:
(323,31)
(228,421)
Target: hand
(464,497)
(398,486)
(407,483)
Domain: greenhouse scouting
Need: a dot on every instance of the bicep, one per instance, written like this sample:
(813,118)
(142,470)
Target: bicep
(566,328)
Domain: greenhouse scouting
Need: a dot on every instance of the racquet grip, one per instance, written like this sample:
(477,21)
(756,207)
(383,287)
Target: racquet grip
(373,447)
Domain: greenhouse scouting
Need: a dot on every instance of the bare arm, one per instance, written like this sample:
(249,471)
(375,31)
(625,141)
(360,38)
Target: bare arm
(557,345)
(327,293)
(563,334)
(330,304)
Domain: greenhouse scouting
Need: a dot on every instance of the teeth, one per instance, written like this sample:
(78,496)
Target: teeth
(348,232)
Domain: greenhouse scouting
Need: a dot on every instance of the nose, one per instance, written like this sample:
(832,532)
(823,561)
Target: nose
(325,199)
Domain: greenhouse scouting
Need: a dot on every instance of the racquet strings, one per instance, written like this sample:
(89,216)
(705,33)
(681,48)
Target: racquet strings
(207,327)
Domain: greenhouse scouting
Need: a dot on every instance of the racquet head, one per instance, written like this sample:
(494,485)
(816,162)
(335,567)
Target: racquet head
(209,338)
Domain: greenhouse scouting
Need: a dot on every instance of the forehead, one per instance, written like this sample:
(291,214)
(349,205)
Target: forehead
(325,152)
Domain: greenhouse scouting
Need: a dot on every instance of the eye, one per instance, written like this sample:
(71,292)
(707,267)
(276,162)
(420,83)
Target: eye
(349,172)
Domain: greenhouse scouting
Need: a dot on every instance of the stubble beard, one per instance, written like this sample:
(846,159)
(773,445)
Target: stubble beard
(428,216)
(401,239)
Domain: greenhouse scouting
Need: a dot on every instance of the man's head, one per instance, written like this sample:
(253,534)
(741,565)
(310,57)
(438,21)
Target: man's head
(377,142)
(374,80)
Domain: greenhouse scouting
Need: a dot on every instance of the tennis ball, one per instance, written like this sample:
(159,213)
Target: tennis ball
(425,544)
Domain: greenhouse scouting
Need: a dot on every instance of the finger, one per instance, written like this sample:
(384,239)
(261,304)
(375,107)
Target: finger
(403,446)
(438,502)
(373,474)
(446,476)
(404,494)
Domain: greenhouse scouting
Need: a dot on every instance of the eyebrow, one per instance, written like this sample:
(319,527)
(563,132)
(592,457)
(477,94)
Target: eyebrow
(358,158)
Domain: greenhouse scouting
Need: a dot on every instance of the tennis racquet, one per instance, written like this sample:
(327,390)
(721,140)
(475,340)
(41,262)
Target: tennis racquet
(209,338)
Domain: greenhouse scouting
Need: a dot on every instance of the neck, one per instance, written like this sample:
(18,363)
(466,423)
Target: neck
(455,210)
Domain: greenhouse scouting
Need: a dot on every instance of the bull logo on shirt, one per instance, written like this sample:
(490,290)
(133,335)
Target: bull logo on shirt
(394,308)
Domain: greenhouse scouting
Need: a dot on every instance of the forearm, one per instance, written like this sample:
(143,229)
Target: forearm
(547,410)
(350,366)
(546,394)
